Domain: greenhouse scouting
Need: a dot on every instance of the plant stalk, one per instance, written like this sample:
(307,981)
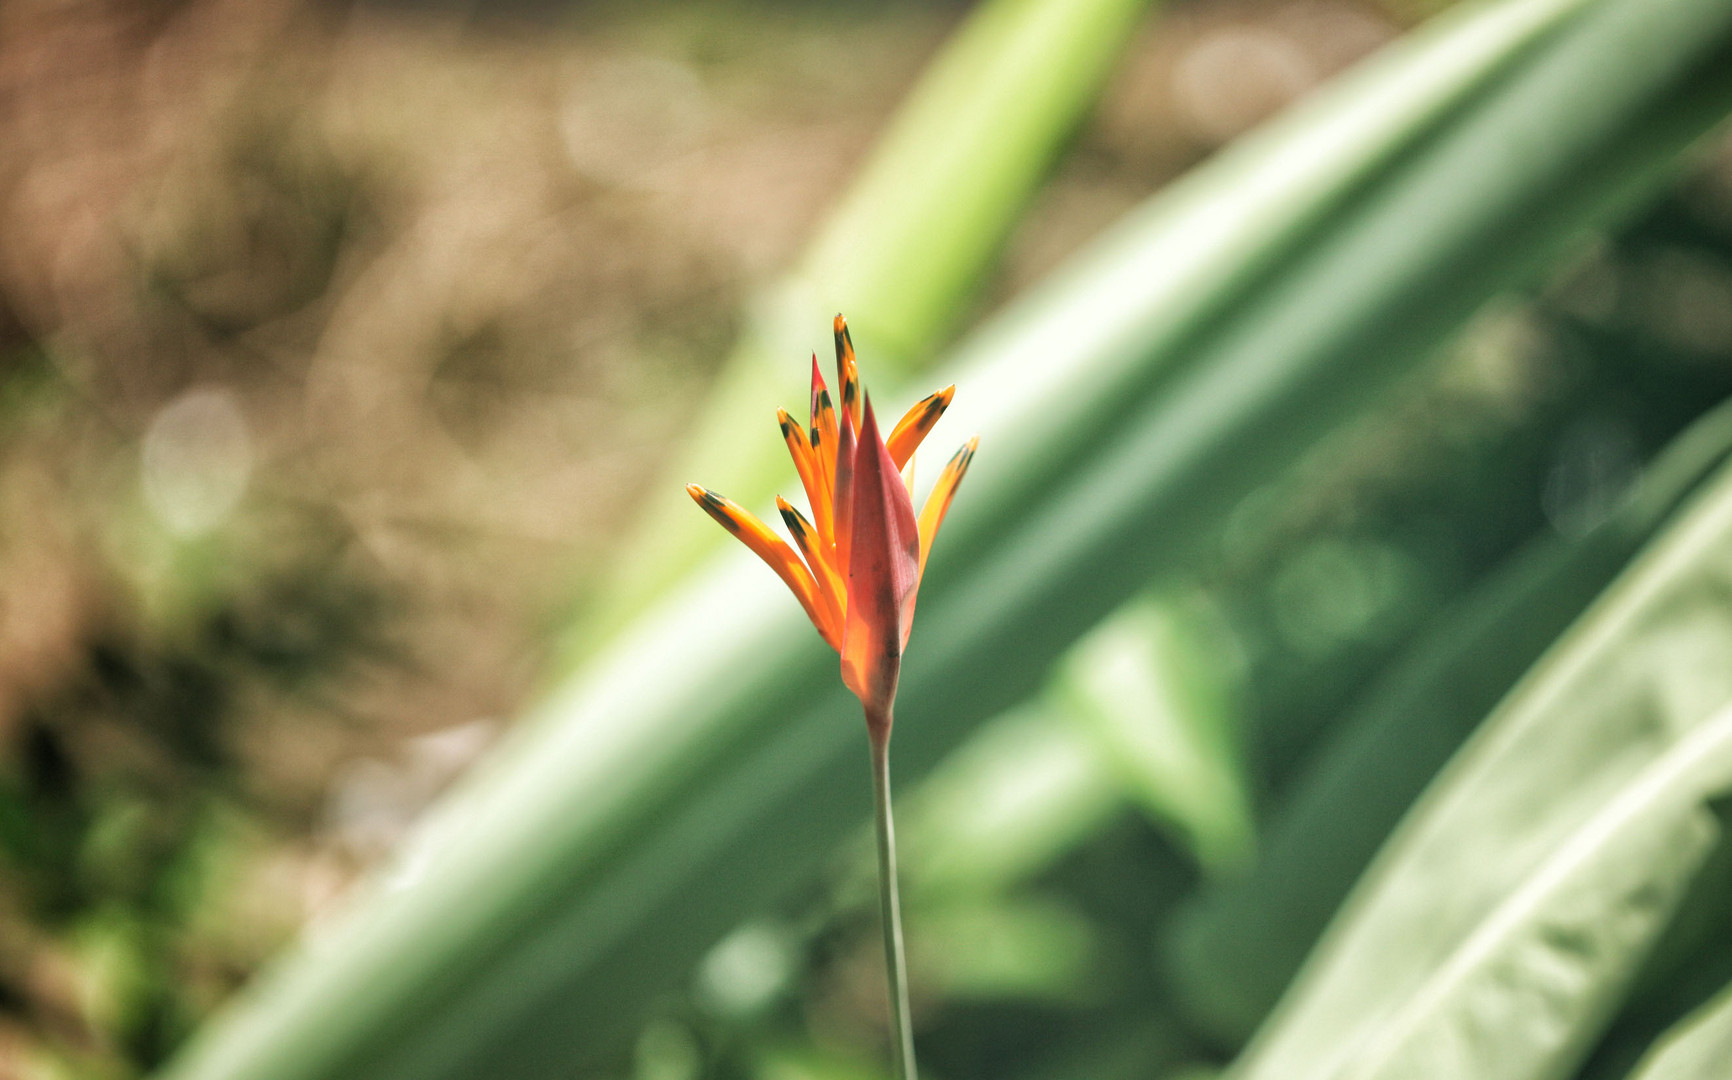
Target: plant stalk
(890,906)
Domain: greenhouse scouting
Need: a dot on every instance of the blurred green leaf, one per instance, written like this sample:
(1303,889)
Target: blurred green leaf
(1686,967)
(1022,792)
(901,254)
(667,1050)
(1027,949)
(1139,711)
(1526,990)
(1194,1072)
(802,1064)
(907,245)
(708,760)
(1698,1048)
(1157,697)
(1429,957)
(1239,945)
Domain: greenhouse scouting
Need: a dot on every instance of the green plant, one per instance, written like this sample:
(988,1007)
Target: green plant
(699,766)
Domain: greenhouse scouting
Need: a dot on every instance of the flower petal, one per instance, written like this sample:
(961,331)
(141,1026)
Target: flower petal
(774,551)
(842,493)
(823,434)
(812,475)
(847,372)
(906,436)
(932,514)
(883,574)
(831,587)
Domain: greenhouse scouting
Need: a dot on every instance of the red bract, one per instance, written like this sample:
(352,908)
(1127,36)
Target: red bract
(862,553)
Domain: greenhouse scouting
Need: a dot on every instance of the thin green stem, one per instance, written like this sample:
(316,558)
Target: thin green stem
(890,909)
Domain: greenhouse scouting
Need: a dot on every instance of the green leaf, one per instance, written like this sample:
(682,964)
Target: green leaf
(1698,1048)
(1424,962)
(1025,789)
(1160,707)
(1026,949)
(1235,950)
(1139,712)
(905,249)
(707,761)
(900,256)
(1687,966)
(1525,993)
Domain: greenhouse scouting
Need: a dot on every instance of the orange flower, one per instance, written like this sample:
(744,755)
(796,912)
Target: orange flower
(863,551)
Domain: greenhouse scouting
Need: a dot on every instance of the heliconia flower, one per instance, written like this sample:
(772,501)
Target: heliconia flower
(861,554)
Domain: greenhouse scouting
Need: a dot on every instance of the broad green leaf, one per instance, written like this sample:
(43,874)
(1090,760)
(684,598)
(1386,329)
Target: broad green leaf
(1023,791)
(805,1064)
(1239,945)
(1164,718)
(1688,965)
(900,256)
(1135,1050)
(903,252)
(1524,994)
(1138,712)
(1699,1048)
(1630,684)
(707,761)
(1010,948)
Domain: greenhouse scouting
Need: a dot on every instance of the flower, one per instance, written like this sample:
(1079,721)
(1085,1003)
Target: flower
(864,549)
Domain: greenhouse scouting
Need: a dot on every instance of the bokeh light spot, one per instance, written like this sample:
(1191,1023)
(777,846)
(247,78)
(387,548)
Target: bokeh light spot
(197,458)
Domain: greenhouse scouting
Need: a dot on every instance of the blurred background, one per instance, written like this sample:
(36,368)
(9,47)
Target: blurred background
(339,346)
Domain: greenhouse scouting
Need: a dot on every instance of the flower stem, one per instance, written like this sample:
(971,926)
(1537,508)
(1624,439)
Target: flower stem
(890,909)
